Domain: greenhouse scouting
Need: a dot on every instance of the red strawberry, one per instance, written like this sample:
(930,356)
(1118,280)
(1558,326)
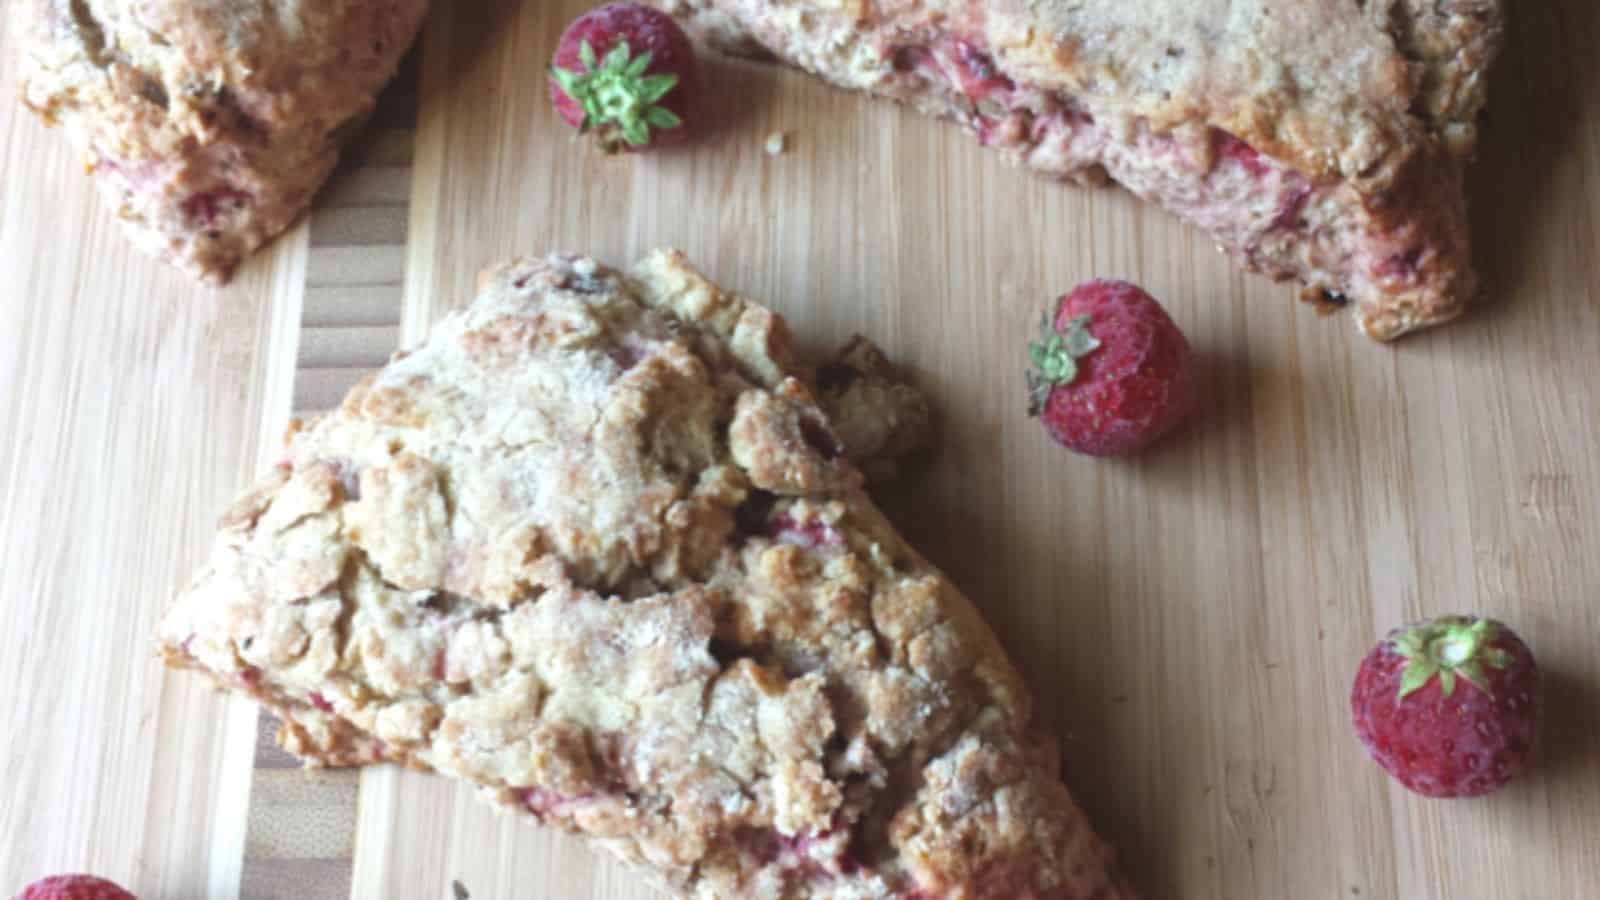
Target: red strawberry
(1113,372)
(627,73)
(74,887)
(1449,707)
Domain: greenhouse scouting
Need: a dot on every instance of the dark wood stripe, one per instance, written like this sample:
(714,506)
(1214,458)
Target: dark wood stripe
(300,838)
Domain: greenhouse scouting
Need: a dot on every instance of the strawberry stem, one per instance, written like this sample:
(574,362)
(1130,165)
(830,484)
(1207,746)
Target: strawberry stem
(619,100)
(1055,358)
(1448,647)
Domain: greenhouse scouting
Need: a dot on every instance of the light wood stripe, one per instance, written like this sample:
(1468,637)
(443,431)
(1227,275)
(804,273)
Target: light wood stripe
(135,403)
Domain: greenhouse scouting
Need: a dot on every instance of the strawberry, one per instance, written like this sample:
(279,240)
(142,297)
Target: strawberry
(74,887)
(1112,373)
(1449,707)
(627,74)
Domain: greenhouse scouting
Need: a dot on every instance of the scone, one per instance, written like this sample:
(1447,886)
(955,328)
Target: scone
(1315,140)
(596,548)
(209,124)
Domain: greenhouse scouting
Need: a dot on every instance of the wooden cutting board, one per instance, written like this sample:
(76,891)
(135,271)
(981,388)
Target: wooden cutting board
(1189,621)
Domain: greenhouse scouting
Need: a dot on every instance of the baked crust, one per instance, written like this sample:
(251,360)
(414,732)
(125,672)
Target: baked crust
(1333,89)
(209,124)
(1317,141)
(596,547)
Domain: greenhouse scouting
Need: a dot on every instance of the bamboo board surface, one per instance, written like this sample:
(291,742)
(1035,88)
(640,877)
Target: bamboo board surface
(1189,621)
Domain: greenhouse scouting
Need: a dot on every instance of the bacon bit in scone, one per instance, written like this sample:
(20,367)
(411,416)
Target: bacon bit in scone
(321,702)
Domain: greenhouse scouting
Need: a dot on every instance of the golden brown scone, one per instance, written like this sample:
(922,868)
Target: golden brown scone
(209,124)
(594,548)
(1315,140)
(878,414)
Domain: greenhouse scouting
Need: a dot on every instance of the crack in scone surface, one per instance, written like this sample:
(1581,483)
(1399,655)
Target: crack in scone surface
(583,549)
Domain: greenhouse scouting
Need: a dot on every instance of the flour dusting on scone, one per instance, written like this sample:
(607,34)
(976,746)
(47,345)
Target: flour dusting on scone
(1315,140)
(209,124)
(597,548)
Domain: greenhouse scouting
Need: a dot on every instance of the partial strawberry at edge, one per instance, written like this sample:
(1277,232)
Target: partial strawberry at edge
(1449,707)
(73,887)
(627,74)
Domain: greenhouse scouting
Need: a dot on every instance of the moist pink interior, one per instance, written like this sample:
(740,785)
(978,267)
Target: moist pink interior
(1053,133)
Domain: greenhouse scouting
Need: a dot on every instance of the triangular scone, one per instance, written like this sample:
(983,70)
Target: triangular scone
(594,547)
(209,124)
(1318,140)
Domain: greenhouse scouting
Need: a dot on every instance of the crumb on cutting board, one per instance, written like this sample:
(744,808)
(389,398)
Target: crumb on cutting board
(777,142)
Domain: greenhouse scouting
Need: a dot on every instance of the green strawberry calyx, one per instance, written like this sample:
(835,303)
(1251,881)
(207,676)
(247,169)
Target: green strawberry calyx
(617,97)
(1449,647)
(1055,358)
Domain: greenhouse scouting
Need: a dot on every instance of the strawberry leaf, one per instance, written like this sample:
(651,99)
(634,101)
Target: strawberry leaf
(1079,341)
(1473,673)
(1408,644)
(640,63)
(1055,358)
(617,95)
(1416,675)
(571,83)
(1451,647)
(617,58)
(1447,681)
(656,86)
(661,117)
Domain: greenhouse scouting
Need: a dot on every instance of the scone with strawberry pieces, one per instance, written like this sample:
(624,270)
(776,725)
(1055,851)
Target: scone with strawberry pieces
(597,548)
(1316,141)
(209,124)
